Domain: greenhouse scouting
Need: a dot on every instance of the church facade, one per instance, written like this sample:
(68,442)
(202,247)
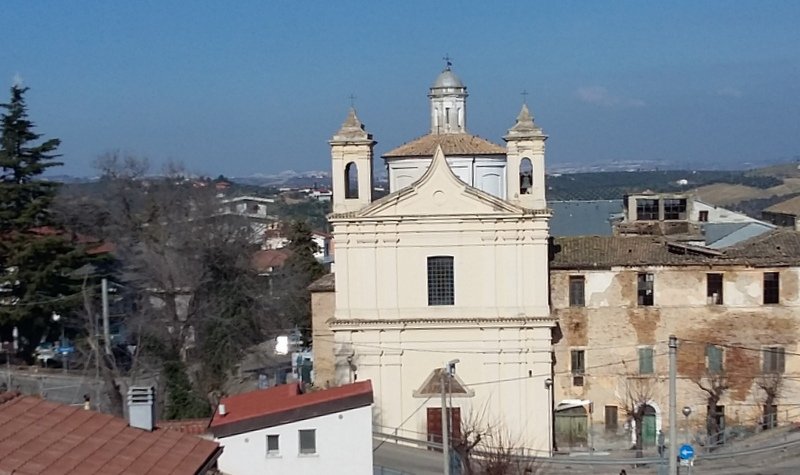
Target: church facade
(443,280)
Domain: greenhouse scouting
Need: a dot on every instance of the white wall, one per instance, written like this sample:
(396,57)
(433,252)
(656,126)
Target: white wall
(485,173)
(344,446)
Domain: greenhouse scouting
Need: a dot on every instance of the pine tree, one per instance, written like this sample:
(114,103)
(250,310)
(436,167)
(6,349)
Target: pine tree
(299,271)
(36,258)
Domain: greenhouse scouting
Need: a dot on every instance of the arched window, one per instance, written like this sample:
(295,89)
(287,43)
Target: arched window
(351,181)
(525,176)
(441,287)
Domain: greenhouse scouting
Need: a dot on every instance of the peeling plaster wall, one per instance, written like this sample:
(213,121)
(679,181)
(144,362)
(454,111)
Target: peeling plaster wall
(611,329)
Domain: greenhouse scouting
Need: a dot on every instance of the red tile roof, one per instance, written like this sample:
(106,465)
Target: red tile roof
(266,260)
(187,426)
(286,403)
(43,437)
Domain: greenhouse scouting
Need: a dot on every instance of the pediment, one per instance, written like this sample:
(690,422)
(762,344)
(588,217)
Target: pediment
(439,192)
(432,386)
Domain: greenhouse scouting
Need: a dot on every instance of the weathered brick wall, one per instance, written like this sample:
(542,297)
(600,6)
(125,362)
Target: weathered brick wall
(611,328)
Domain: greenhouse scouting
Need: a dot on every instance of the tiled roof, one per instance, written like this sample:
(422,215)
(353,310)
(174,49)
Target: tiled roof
(43,437)
(452,144)
(326,283)
(187,426)
(284,404)
(790,206)
(779,248)
(267,259)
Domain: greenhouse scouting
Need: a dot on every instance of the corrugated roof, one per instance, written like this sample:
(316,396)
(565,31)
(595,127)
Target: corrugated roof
(43,437)
(283,404)
(452,144)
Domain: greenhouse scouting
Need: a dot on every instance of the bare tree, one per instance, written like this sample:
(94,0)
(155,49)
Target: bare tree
(486,448)
(772,385)
(714,383)
(635,393)
(199,301)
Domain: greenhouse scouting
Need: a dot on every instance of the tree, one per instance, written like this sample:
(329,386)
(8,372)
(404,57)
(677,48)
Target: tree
(299,271)
(635,395)
(714,384)
(200,303)
(772,385)
(37,258)
(486,448)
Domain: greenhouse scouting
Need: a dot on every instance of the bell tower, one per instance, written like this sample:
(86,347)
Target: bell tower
(525,168)
(448,97)
(351,157)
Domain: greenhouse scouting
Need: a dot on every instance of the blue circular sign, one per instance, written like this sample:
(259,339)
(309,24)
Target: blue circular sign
(686,452)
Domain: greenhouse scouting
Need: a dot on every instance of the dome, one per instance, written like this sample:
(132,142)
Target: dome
(447,79)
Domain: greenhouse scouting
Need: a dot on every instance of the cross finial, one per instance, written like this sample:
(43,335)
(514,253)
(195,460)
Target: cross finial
(524,95)
(352,98)
(448,61)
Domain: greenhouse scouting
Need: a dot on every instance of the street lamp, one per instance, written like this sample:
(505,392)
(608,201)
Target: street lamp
(687,411)
(448,371)
(548,386)
(65,363)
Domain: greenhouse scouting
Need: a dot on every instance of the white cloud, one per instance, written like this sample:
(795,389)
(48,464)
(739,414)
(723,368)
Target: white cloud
(599,95)
(729,92)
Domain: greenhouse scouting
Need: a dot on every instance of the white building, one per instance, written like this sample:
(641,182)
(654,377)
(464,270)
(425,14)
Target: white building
(284,430)
(452,264)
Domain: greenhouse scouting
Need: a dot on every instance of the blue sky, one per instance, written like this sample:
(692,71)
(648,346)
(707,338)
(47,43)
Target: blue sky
(259,86)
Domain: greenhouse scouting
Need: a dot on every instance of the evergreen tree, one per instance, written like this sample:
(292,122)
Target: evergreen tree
(36,258)
(299,271)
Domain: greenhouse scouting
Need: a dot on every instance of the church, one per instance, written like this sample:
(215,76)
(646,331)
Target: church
(444,281)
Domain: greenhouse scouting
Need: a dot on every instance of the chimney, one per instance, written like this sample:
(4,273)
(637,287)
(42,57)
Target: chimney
(221,410)
(142,407)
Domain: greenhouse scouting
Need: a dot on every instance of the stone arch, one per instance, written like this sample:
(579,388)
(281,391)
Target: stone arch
(656,412)
(351,180)
(525,176)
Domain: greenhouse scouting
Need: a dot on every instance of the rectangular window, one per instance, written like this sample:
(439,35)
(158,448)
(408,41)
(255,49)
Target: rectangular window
(440,281)
(703,217)
(577,286)
(714,358)
(273,445)
(645,289)
(308,441)
(714,289)
(675,208)
(774,359)
(578,365)
(647,210)
(612,419)
(772,287)
(646,361)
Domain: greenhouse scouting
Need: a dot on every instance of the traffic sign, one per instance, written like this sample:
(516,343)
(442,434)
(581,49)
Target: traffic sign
(686,452)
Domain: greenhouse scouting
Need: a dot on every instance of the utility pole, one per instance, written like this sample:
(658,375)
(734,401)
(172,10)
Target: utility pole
(673,406)
(106,324)
(445,434)
(447,371)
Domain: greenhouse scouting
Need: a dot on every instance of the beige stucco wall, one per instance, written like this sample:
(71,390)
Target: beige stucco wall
(505,364)
(499,264)
(612,327)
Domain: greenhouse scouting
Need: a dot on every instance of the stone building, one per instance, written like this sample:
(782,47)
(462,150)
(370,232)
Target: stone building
(618,299)
(451,265)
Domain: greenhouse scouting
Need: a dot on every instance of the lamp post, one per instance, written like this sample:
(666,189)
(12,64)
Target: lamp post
(548,385)
(448,371)
(687,411)
(65,363)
